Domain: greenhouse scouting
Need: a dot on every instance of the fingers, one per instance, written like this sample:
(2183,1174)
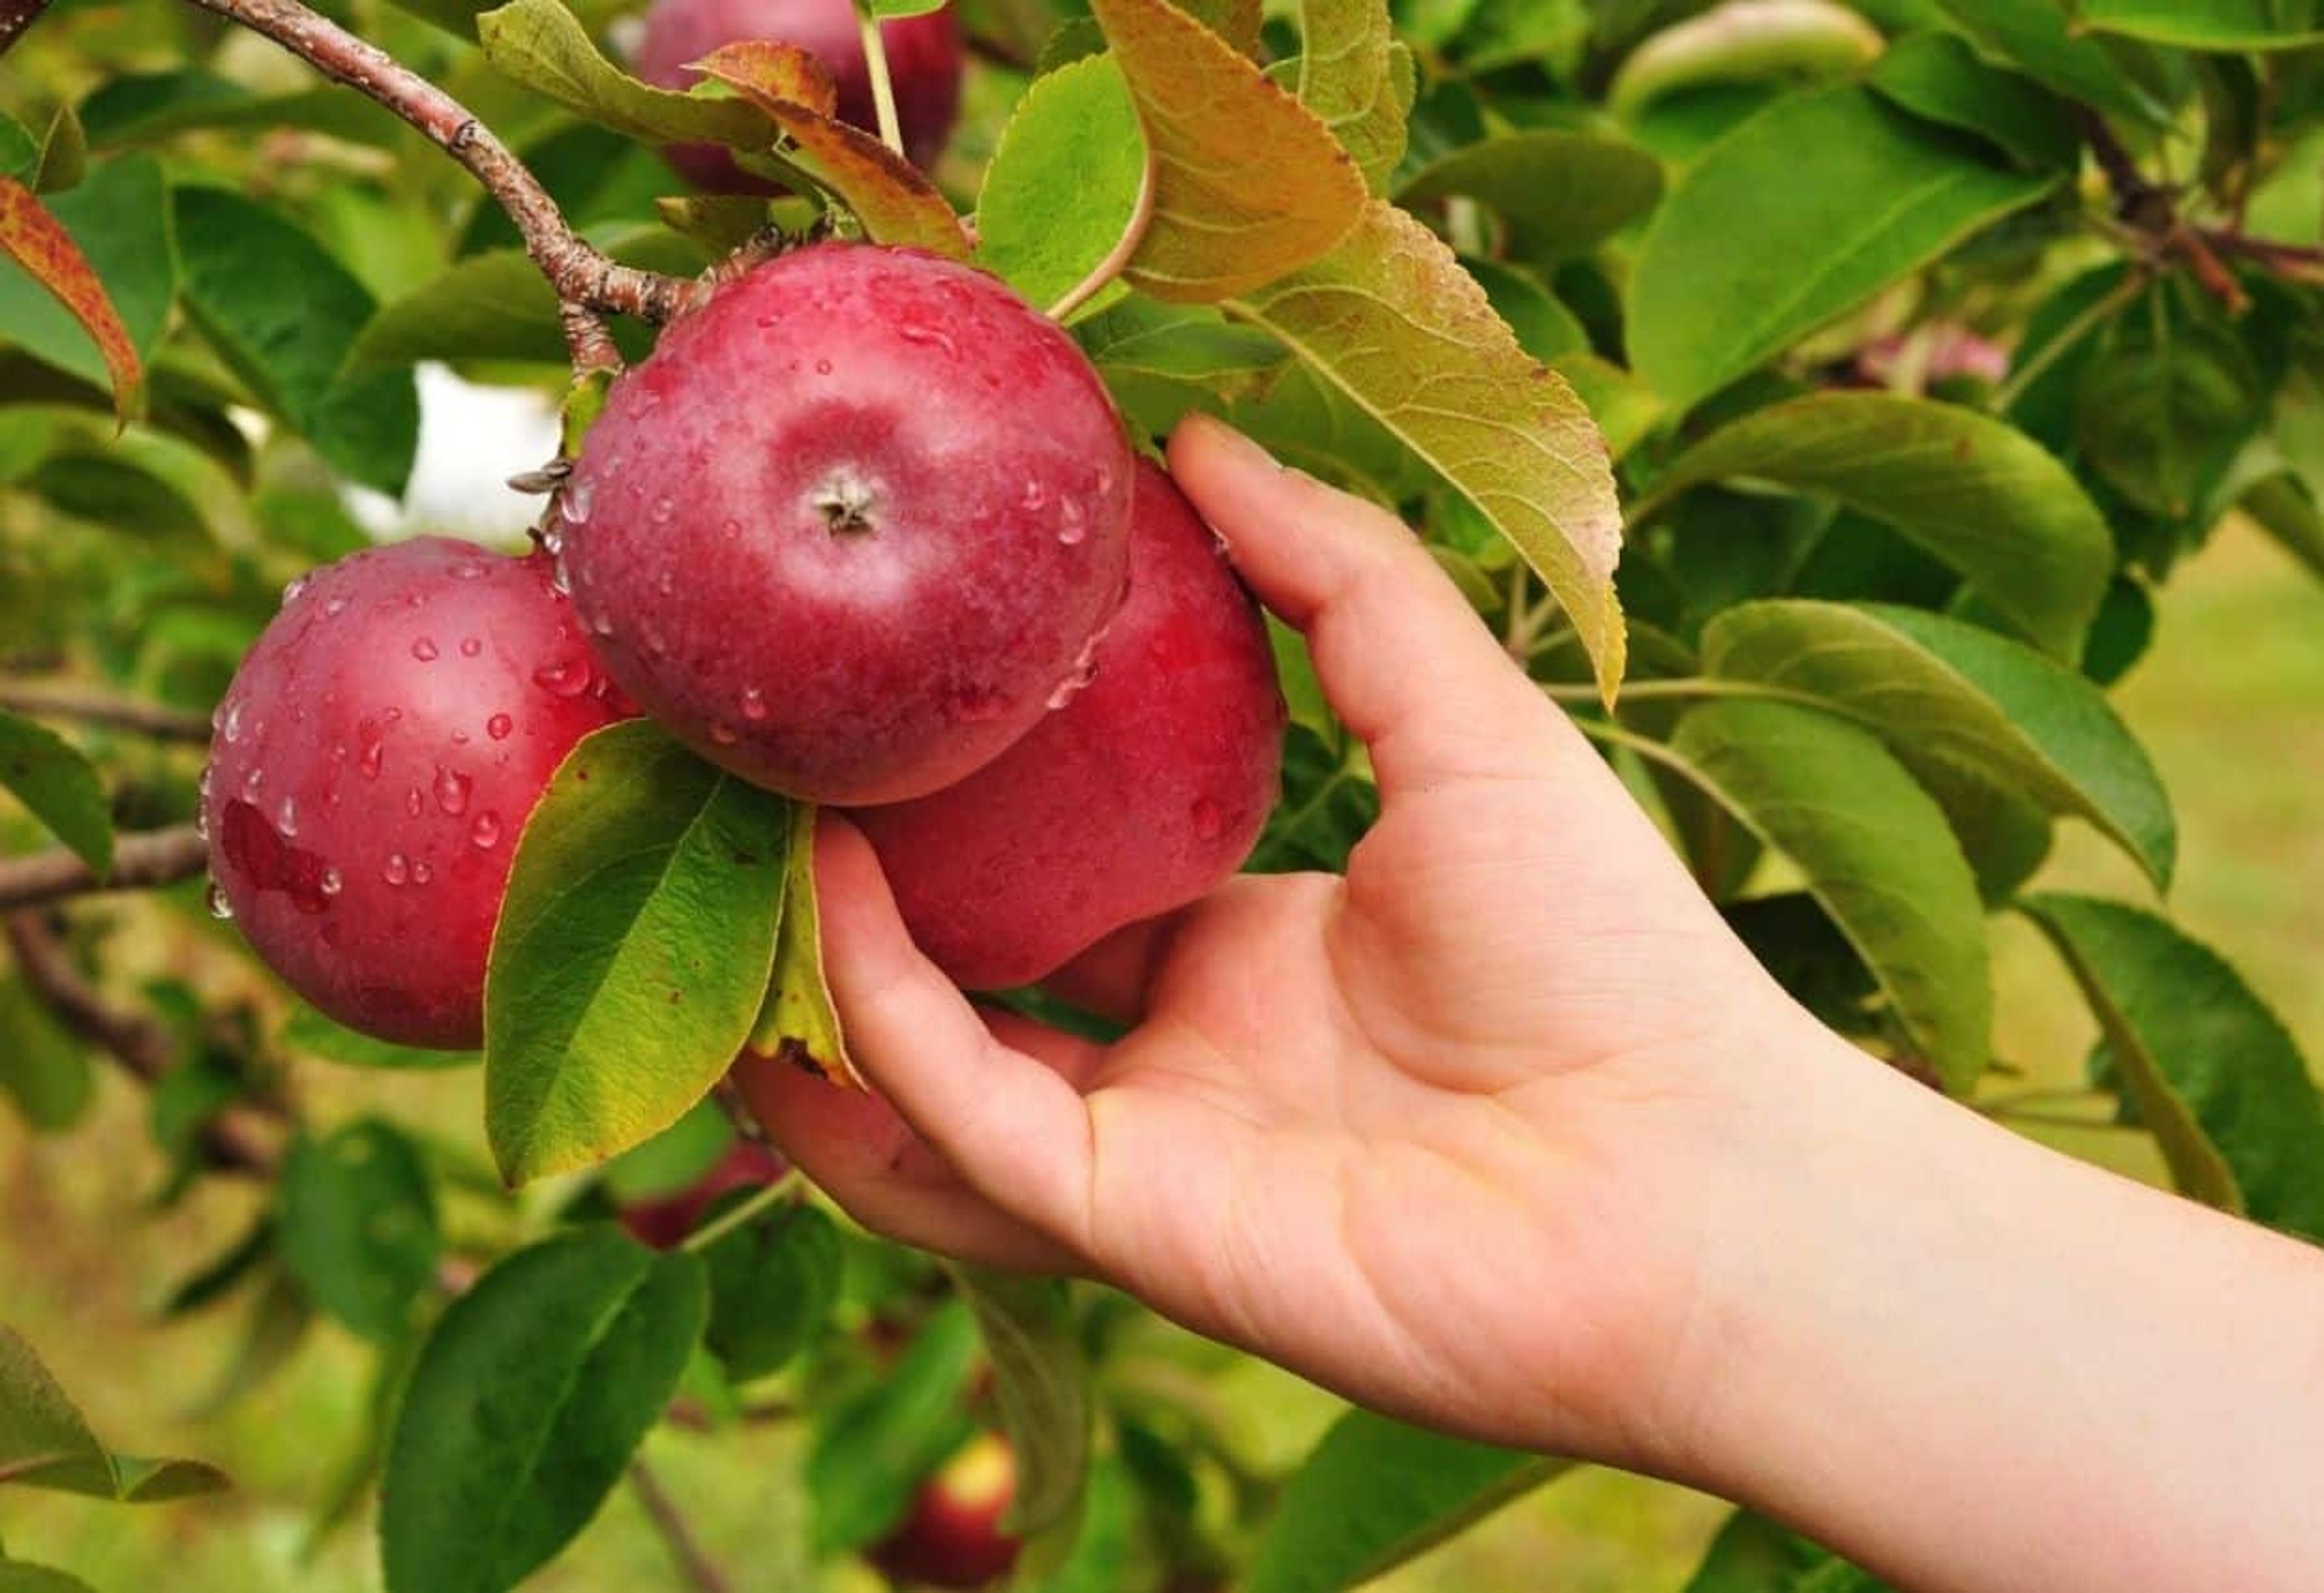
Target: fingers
(1406,661)
(1014,1128)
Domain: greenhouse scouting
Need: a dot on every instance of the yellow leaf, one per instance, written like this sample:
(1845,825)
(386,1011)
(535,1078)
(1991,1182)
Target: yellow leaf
(1392,319)
(799,1025)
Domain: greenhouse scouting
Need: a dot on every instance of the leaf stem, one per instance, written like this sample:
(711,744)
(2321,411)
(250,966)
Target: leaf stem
(718,1228)
(142,861)
(2024,376)
(884,87)
(84,706)
(587,281)
(1133,232)
(694,1563)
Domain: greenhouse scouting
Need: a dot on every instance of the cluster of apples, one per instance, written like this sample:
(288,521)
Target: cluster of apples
(866,531)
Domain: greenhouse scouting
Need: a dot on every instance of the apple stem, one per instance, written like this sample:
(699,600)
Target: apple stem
(590,284)
(1133,232)
(883,89)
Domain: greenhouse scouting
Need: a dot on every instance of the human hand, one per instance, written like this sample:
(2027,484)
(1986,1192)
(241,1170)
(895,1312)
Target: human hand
(1446,1133)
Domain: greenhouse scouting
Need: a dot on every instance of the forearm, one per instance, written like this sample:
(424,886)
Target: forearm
(1971,1363)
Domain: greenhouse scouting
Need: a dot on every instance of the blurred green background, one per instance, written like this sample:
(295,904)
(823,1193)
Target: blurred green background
(2229,702)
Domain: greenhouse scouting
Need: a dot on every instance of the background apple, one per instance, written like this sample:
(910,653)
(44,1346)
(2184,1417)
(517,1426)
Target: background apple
(952,1537)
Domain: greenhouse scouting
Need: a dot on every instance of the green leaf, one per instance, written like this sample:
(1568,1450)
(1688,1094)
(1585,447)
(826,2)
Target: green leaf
(2162,411)
(871,1452)
(1105,1543)
(1545,327)
(497,306)
(1561,193)
(773,1282)
(641,902)
(527,1403)
(1392,322)
(2222,25)
(2285,509)
(58,786)
(357,1226)
(1875,851)
(143,106)
(1723,280)
(285,315)
(43,1066)
(58,290)
(1374,1492)
(1356,77)
(1802,41)
(1752,1554)
(673,1161)
(20,152)
(45,1442)
(310,1034)
(1624,408)
(1041,1380)
(1947,695)
(17,1576)
(1939,78)
(1249,184)
(2042,37)
(541,44)
(2216,1077)
(798,1023)
(1976,493)
(1062,190)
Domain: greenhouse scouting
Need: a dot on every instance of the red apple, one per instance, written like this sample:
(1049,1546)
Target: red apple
(1140,794)
(374,759)
(664,1222)
(853,524)
(952,1536)
(924,67)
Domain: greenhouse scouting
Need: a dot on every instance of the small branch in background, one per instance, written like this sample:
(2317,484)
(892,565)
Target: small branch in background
(2300,262)
(86,706)
(15,17)
(2135,198)
(579,274)
(140,863)
(694,1563)
(231,1142)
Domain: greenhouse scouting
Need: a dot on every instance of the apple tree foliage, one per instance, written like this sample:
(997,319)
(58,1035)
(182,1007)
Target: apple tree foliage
(1815,398)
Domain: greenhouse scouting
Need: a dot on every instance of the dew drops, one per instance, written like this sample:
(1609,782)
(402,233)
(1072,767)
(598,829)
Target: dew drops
(468,569)
(723,733)
(485,833)
(293,589)
(1208,819)
(560,579)
(375,753)
(331,883)
(730,529)
(564,677)
(471,646)
(452,789)
(603,625)
(754,705)
(414,803)
(668,584)
(421,873)
(203,785)
(252,781)
(424,650)
(663,507)
(392,715)
(823,367)
(1071,525)
(1035,497)
(499,726)
(202,823)
(334,608)
(219,906)
(397,869)
(929,336)
(552,542)
(574,502)
(286,817)
(231,726)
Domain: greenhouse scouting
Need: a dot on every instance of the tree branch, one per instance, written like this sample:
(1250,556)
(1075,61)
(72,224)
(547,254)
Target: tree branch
(701,1573)
(15,16)
(86,706)
(230,1142)
(140,863)
(580,275)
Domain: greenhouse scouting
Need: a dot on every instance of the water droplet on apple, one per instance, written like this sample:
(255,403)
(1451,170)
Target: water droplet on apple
(723,733)
(560,579)
(754,705)
(565,678)
(220,907)
(397,868)
(252,781)
(468,569)
(731,529)
(471,646)
(452,790)
(823,367)
(374,754)
(662,510)
(292,591)
(485,833)
(286,817)
(1072,525)
(1209,820)
(330,882)
(573,504)
(424,650)
(1036,496)
(334,608)
(498,727)
(231,726)
(414,803)
(421,873)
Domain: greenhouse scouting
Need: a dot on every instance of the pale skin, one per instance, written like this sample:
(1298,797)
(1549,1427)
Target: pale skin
(1506,1133)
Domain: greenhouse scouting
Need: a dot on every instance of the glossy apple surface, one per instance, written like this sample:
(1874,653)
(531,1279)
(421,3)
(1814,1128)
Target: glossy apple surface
(379,750)
(1143,792)
(853,524)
